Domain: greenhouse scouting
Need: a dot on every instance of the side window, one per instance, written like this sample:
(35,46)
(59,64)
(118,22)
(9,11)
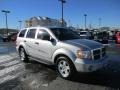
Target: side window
(22,33)
(43,35)
(31,33)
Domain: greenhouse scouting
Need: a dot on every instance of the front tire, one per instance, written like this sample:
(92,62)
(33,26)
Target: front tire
(65,67)
(23,55)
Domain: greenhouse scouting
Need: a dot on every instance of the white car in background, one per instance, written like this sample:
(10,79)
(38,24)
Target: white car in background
(85,34)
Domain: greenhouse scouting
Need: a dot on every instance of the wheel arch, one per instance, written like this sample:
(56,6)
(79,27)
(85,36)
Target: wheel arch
(22,46)
(63,52)
(73,69)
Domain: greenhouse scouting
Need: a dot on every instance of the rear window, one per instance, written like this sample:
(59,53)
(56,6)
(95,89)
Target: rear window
(22,33)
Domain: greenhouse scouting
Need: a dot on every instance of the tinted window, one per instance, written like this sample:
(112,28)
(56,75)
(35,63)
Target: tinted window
(42,34)
(65,34)
(22,33)
(31,33)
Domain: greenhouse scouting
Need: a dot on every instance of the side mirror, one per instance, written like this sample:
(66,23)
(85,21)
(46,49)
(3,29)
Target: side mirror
(52,40)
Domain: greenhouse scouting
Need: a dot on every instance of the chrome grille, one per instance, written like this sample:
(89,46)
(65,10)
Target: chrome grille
(98,53)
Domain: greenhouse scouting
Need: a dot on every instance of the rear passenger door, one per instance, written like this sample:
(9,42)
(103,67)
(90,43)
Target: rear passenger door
(29,42)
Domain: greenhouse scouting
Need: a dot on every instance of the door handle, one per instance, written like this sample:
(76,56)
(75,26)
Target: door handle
(37,43)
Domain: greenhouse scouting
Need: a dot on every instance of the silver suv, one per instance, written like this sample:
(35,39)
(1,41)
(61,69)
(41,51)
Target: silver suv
(61,47)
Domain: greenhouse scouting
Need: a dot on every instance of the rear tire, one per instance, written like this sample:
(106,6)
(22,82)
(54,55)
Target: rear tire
(65,67)
(23,55)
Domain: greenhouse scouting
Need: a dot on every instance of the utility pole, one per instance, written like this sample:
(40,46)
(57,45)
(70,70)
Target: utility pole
(6,19)
(20,24)
(85,20)
(62,2)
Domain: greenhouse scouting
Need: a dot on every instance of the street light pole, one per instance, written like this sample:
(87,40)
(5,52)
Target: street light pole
(6,19)
(20,22)
(85,20)
(62,2)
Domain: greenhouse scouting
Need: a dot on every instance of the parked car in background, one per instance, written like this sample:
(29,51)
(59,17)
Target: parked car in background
(117,37)
(103,37)
(10,37)
(61,47)
(85,34)
(13,36)
(6,38)
(1,38)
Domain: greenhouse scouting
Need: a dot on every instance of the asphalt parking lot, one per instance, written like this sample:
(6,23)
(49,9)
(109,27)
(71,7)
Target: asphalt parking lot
(16,75)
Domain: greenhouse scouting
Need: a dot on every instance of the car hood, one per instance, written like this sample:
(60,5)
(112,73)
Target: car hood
(84,43)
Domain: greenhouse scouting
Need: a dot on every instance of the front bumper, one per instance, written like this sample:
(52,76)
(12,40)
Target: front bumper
(89,65)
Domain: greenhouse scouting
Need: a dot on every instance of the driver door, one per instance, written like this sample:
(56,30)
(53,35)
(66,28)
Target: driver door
(44,45)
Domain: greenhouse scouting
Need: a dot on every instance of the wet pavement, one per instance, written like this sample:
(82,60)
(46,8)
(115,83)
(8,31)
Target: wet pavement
(16,75)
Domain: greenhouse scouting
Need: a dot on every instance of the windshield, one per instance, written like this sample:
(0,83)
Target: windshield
(65,34)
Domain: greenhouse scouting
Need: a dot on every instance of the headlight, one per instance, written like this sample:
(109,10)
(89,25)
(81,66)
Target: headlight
(83,54)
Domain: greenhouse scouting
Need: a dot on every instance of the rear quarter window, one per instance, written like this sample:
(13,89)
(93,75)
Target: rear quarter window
(22,33)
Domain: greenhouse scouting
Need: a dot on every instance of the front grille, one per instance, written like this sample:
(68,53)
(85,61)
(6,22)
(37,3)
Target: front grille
(99,53)
(103,51)
(96,57)
(95,52)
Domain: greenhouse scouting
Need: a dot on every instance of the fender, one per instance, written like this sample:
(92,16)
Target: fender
(64,51)
(24,46)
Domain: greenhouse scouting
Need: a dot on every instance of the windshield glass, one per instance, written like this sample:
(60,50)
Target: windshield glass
(65,34)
